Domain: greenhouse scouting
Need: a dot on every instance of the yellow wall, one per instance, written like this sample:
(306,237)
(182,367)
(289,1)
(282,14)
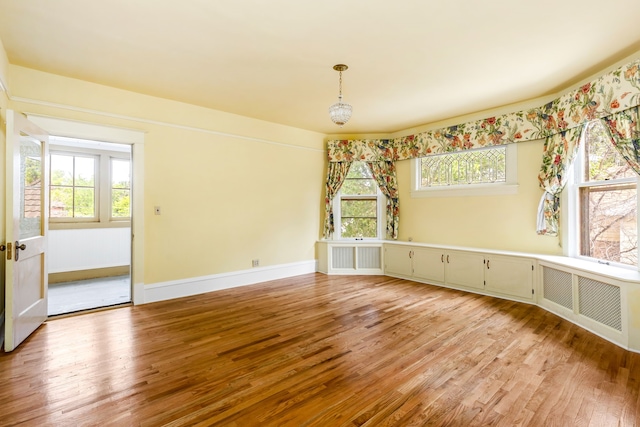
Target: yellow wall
(505,222)
(225,200)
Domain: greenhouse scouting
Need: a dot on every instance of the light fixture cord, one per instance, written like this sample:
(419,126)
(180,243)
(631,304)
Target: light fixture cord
(340,90)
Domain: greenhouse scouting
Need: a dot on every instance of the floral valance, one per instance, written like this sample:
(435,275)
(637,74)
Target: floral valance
(613,92)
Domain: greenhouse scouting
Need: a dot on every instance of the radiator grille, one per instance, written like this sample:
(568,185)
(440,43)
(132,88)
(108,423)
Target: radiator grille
(557,287)
(369,257)
(343,257)
(600,302)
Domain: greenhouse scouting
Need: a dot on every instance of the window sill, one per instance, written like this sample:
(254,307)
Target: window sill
(611,271)
(85,225)
(467,191)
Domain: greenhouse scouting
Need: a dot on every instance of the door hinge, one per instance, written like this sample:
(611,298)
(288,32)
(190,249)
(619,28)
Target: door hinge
(531,267)
(532,292)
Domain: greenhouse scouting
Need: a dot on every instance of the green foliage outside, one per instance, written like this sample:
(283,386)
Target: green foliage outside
(73,193)
(465,167)
(32,173)
(120,203)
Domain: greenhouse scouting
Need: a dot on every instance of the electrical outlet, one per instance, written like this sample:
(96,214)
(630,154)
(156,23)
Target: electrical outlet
(255,263)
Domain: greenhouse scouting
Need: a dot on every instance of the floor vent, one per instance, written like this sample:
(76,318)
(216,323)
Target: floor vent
(342,257)
(557,287)
(600,302)
(369,257)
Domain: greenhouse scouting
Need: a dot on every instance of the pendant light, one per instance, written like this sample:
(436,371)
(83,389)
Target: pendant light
(340,112)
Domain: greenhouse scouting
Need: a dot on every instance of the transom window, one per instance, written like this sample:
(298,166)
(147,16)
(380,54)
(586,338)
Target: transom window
(491,170)
(464,167)
(358,205)
(605,201)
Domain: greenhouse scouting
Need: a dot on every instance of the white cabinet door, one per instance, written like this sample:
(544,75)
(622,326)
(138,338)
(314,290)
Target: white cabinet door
(428,264)
(509,275)
(464,269)
(397,260)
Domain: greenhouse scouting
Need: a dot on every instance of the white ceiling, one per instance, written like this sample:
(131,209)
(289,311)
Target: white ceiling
(411,62)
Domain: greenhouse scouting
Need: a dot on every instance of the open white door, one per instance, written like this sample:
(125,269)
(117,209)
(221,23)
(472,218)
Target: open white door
(27,220)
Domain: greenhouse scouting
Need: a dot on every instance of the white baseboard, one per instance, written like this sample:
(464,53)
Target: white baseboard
(198,285)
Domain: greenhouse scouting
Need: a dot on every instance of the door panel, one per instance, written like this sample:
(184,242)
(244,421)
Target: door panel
(464,269)
(26,227)
(397,261)
(428,264)
(509,275)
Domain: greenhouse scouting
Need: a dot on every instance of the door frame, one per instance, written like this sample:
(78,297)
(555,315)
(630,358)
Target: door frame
(83,130)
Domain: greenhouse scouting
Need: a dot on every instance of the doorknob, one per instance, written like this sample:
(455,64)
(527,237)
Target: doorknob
(19,248)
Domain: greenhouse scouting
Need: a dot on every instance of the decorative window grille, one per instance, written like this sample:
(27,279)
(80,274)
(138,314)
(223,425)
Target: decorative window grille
(481,166)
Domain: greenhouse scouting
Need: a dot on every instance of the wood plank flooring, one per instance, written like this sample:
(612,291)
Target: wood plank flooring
(319,350)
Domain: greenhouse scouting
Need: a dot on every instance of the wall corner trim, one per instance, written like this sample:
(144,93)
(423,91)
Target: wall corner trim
(198,285)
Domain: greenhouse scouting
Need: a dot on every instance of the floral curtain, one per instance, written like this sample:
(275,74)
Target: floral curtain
(611,93)
(613,97)
(559,152)
(385,175)
(336,175)
(625,135)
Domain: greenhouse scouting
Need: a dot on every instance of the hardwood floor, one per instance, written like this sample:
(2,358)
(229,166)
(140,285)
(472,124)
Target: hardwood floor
(320,350)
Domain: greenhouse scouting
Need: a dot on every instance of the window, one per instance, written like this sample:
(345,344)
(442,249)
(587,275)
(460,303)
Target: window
(89,185)
(73,181)
(359,205)
(491,170)
(604,202)
(120,188)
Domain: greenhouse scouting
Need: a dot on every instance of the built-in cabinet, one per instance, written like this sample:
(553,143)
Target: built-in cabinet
(414,262)
(491,273)
(594,296)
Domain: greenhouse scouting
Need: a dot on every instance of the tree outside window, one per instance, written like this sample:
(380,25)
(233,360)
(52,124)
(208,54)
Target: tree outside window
(607,201)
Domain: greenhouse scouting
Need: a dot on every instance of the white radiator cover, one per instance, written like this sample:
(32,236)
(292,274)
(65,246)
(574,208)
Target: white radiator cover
(594,302)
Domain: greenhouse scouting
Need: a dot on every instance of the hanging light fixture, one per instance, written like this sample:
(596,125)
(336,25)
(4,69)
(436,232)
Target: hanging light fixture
(340,112)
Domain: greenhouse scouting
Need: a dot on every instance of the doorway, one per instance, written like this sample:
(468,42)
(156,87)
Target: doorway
(89,263)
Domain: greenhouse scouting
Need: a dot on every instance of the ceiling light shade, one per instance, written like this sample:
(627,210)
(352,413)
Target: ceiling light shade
(340,112)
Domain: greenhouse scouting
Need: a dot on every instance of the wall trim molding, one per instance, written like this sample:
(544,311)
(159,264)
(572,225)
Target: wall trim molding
(198,285)
(157,122)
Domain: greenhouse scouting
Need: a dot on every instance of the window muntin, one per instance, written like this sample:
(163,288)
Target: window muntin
(481,166)
(358,205)
(606,201)
(73,186)
(479,172)
(111,184)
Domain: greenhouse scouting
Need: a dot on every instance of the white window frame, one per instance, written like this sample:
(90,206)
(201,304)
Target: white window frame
(102,218)
(96,184)
(570,235)
(381,213)
(510,186)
